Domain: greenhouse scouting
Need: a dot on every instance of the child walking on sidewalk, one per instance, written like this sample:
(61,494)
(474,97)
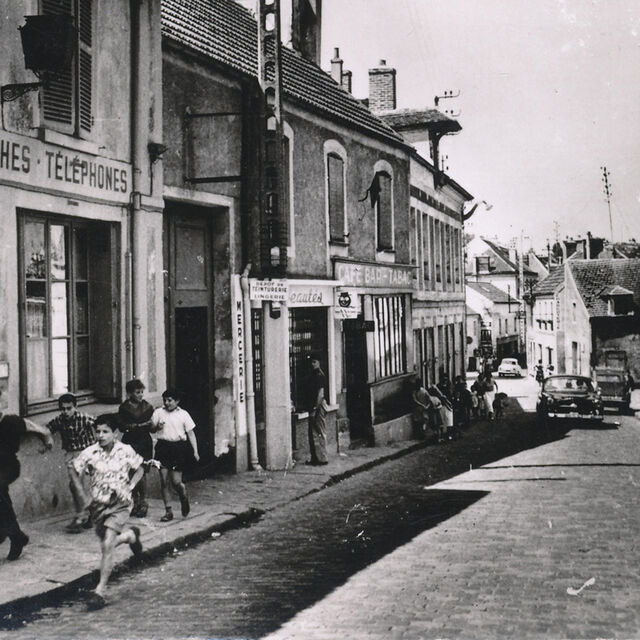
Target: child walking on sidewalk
(115,469)
(175,446)
(76,432)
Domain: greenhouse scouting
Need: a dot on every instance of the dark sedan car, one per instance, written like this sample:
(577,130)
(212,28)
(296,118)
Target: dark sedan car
(569,397)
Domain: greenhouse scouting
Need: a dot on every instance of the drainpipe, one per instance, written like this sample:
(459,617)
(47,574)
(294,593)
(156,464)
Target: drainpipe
(248,351)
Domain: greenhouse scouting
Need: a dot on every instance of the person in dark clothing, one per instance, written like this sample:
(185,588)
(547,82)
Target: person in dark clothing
(317,407)
(134,421)
(12,429)
(461,402)
(539,372)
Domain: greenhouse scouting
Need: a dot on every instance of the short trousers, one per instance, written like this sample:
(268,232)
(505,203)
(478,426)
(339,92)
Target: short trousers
(174,455)
(140,441)
(113,515)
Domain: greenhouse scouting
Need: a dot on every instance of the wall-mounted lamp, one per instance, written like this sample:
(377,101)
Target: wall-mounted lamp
(156,149)
(275,308)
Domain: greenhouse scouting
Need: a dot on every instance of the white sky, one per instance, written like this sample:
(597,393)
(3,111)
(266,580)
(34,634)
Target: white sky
(550,92)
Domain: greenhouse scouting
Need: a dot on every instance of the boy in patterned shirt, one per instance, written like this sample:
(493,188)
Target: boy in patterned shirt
(115,469)
(76,432)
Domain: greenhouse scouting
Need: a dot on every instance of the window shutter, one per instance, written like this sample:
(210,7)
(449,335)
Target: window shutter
(57,95)
(335,176)
(285,184)
(85,75)
(385,223)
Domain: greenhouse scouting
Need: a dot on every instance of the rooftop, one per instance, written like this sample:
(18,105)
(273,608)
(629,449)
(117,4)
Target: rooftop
(433,119)
(492,292)
(550,283)
(226,32)
(596,279)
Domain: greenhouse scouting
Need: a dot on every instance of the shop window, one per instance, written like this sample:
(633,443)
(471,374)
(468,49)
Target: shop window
(307,334)
(256,345)
(335,194)
(68,311)
(67,96)
(390,335)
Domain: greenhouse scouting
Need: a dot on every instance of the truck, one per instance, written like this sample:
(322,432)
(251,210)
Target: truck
(610,374)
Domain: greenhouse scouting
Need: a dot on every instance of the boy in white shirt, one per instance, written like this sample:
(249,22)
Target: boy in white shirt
(175,446)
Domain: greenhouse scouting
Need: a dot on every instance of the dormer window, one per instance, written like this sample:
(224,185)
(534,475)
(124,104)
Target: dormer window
(483,264)
(619,301)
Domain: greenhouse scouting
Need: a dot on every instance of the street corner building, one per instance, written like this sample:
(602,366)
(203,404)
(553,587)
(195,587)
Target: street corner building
(191,205)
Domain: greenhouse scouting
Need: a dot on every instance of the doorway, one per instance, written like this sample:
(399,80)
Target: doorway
(189,308)
(358,398)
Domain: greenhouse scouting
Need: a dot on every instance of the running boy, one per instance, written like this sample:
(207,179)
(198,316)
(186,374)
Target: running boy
(135,423)
(175,446)
(115,469)
(76,432)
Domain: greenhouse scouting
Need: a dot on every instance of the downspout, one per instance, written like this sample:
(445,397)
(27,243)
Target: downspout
(134,204)
(248,351)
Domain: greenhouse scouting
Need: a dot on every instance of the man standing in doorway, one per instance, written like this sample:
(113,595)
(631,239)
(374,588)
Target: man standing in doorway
(317,413)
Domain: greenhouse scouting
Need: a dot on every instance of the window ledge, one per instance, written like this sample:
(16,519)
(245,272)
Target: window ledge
(93,409)
(68,141)
(385,255)
(301,415)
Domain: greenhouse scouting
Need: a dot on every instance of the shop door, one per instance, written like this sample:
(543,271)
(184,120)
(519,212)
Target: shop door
(190,319)
(355,367)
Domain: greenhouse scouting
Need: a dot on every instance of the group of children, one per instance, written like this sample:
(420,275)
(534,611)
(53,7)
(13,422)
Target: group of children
(107,475)
(447,409)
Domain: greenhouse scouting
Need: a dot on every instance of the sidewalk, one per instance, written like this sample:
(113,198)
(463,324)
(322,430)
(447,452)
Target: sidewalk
(55,562)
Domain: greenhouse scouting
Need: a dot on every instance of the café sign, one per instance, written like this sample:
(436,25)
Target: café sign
(36,163)
(382,276)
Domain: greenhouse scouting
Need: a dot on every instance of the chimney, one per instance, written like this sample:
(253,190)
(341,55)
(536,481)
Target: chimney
(346,81)
(588,246)
(336,66)
(382,88)
(306,28)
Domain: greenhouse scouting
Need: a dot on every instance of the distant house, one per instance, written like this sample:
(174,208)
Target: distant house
(602,312)
(474,325)
(499,321)
(543,313)
(584,309)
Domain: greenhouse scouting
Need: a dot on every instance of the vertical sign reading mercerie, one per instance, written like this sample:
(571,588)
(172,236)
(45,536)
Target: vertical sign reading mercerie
(239,359)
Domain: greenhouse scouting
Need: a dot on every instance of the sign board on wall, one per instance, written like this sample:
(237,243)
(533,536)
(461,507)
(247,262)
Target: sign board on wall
(274,290)
(346,304)
(33,162)
(382,276)
(239,367)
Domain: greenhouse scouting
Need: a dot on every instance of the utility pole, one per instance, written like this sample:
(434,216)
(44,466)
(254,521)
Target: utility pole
(607,194)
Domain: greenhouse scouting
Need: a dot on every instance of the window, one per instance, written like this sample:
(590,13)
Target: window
(389,335)
(67,97)
(335,193)
(483,264)
(447,251)
(426,266)
(68,318)
(308,334)
(384,211)
(620,305)
(457,254)
(437,253)
(286,187)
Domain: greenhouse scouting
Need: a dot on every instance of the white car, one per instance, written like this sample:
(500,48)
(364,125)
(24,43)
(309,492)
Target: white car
(509,367)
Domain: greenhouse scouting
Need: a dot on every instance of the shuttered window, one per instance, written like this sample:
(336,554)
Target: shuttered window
(335,178)
(67,96)
(384,213)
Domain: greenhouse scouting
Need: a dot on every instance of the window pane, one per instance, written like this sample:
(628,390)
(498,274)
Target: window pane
(82,364)
(335,168)
(38,370)
(58,252)
(36,309)
(60,366)
(81,303)
(34,250)
(80,254)
(59,324)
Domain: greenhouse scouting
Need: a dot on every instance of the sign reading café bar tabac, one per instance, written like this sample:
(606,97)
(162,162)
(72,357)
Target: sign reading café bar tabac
(367,275)
(36,163)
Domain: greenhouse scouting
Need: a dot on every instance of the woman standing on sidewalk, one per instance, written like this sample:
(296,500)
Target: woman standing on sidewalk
(12,429)
(490,388)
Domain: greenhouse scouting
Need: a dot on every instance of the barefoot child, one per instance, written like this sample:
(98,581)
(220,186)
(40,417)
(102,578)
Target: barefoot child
(175,446)
(115,469)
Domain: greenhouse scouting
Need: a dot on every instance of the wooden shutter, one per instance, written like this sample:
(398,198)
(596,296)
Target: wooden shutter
(385,221)
(57,95)
(285,184)
(335,176)
(85,75)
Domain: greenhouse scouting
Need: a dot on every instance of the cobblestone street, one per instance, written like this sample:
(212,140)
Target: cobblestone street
(420,547)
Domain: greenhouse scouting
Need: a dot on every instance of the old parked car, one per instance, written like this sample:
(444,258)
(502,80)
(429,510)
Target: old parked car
(569,396)
(509,367)
(614,388)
